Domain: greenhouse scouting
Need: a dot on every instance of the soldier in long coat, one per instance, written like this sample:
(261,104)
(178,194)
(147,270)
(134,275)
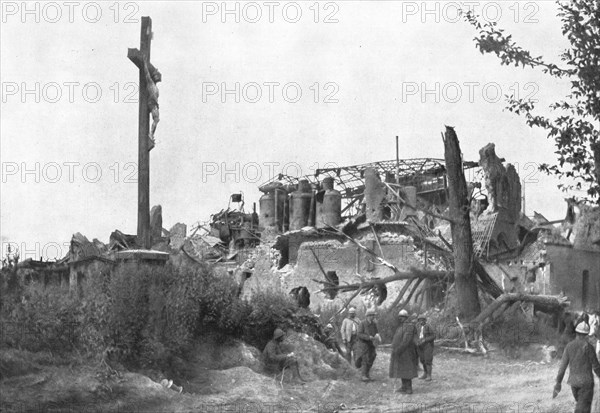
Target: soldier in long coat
(404,359)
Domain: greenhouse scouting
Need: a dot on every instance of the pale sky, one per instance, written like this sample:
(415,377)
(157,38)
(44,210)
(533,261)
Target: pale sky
(374,70)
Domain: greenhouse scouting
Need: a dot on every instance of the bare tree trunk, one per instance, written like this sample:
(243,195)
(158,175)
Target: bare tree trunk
(462,243)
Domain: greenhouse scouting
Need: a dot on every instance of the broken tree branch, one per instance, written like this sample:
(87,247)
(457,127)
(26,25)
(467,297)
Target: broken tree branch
(341,310)
(377,239)
(414,289)
(400,275)
(401,294)
(416,208)
(547,301)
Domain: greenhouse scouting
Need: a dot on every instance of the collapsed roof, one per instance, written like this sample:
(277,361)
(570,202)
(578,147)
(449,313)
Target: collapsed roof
(428,175)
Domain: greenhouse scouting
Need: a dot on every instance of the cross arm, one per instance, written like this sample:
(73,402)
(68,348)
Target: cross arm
(137,58)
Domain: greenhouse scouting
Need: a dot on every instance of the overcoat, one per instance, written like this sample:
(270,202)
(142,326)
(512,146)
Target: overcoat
(404,359)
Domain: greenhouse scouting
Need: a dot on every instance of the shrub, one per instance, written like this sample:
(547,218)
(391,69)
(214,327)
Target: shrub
(45,319)
(152,317)
(268,310)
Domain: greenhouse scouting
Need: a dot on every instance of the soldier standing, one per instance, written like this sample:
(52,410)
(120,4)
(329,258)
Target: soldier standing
(368,337)
(349,331)
(580,356)
(424,342)
(404,359)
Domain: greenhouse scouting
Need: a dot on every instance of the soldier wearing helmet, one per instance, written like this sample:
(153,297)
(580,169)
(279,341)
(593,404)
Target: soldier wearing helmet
(424,342)
(368,337)
(330,340)
(276,360)
(580,356)
(349,330)
(403,361)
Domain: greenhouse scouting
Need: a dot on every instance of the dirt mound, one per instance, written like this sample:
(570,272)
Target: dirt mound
(214,354)
(14,363)
(242,382)
(218,366)
(316,361)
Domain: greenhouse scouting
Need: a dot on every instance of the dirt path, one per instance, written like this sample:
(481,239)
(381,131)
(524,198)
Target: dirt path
(462,383)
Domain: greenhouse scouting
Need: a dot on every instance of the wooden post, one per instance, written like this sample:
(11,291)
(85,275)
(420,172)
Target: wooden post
(137,57)
(397,163)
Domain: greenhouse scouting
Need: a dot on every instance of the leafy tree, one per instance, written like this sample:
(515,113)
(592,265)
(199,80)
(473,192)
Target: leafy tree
(572,129)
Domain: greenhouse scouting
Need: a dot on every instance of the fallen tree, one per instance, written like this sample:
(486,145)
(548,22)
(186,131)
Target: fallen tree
(469,275)
(548,302)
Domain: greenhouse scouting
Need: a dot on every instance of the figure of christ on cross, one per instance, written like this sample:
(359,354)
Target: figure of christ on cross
(149,76)
(151,80)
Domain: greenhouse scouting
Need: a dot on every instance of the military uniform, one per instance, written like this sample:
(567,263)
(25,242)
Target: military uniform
(349,330)
(580,356)
(365,348)
(404,359)
(275,359)
(424,340)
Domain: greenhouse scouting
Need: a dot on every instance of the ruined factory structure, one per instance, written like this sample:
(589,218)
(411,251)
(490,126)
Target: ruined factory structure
(311,236)
(396,209)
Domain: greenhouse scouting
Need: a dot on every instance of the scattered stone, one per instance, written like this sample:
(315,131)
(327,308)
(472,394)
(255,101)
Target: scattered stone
(156,223)
(177,235)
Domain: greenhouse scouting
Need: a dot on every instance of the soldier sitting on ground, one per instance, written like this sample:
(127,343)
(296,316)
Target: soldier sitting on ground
(276,360)
(330,340)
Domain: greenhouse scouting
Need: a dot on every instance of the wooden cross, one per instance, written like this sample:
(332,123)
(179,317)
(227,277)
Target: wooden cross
(139,57)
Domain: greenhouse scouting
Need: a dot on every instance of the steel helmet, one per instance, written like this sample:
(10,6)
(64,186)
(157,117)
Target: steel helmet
(278,333)
(403,313)
(371,311)
(582,328)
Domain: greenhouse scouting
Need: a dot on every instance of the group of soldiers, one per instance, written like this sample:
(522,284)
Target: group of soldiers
(414,342)
(411,344)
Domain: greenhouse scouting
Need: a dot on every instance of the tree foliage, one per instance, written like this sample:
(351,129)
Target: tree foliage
(572,128)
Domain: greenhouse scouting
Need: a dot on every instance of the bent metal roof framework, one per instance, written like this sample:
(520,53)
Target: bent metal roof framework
(428,175)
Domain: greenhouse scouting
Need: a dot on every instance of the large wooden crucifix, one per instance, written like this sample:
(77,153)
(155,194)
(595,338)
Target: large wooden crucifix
(148,103)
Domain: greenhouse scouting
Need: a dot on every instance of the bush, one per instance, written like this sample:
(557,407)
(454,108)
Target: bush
(268,310)
(44,319)
(151,317)
(512,331)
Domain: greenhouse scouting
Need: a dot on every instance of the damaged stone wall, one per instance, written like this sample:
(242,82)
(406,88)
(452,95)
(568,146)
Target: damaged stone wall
(347,260)
(576,273)
(503,184)
(503,187)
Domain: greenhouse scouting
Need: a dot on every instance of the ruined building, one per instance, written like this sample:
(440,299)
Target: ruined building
(306,221)
(298,241)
